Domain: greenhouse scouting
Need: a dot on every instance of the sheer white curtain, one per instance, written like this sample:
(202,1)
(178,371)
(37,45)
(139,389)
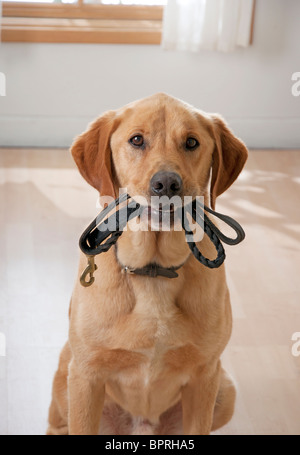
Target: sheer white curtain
(207,24)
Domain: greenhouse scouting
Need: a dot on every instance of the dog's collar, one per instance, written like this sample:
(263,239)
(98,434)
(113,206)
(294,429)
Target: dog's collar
(152,270)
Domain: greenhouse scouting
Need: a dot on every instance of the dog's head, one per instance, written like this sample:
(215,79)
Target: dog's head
(159,146)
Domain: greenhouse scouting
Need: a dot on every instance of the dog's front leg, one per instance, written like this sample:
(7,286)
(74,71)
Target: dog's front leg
(86,398)
(199,398)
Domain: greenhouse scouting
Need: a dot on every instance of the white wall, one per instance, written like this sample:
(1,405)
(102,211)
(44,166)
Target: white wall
(54,90)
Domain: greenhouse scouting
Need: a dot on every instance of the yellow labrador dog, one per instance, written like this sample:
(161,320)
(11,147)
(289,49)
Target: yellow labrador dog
(143,354)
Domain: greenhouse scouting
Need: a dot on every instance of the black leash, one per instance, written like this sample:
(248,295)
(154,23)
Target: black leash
(110,229)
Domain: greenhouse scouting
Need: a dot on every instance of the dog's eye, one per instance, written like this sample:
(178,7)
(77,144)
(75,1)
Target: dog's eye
(137,141)
(191,143)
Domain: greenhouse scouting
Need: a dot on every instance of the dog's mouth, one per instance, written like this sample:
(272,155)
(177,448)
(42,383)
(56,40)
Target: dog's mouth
(160,210)
(160,218)
(163,213)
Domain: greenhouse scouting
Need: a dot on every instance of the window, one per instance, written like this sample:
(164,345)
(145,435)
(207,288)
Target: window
(83,21)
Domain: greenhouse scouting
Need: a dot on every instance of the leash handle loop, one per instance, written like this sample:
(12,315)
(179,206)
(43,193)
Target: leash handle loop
(240,233)
(212,264)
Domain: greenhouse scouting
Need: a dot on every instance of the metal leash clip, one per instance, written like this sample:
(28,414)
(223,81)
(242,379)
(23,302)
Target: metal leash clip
(89,270)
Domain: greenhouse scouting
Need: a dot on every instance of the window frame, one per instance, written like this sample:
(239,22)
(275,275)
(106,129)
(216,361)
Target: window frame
(81,23)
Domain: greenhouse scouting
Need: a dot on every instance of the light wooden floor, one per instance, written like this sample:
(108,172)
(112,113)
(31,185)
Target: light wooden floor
(44,205)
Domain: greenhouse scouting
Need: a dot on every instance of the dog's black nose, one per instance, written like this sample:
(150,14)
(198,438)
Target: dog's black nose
(165,184)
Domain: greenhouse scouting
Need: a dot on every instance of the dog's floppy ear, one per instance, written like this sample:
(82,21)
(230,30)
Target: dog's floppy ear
(229,157)
(92,154)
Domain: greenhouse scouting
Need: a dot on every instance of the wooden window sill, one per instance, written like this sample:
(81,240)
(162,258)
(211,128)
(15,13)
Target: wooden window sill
(81,24)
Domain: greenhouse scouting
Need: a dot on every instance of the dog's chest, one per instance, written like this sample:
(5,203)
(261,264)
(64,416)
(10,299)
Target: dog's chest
(153,385)
(159,322)
(161,341)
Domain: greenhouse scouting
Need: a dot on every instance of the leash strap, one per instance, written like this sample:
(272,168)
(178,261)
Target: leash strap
(214,234)
(91,240)
(212,264)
